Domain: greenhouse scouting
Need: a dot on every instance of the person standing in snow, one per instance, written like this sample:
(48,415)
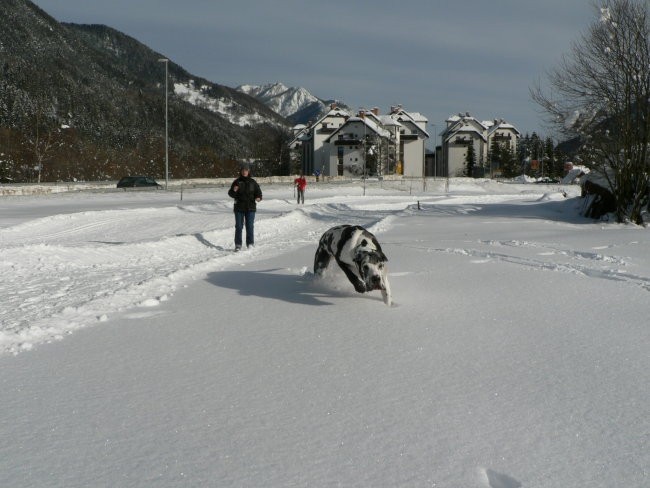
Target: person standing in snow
(246,193)
(301,184)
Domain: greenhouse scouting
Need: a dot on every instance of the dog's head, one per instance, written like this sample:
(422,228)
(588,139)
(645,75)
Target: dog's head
(372,269)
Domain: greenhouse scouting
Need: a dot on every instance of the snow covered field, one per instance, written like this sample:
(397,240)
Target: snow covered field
(136,350)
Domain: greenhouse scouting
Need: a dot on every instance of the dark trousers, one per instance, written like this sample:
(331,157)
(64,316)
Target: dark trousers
(301,195)
(244,218)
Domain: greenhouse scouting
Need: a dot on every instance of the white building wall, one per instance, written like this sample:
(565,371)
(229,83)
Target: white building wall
(504,132)
(457,153)
(413,150)
(322,150)
(353,161)
(482,134)
(413,164)
(353,154)
(331,168)
(456,160)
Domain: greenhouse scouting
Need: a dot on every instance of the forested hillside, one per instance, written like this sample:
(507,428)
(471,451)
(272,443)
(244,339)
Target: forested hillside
(87,102)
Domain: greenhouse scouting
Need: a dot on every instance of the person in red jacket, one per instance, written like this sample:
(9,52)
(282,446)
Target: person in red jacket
(301,184)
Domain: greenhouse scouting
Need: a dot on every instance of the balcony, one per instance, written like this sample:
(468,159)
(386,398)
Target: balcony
(502,137)
(462,141)
(348,140)
(409,137)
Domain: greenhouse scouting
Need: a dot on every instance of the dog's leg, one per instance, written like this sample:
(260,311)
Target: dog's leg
(321,260)
(358,284)
(385,292)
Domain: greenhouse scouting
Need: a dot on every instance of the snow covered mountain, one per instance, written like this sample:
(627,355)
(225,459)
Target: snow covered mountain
(203,95)
(296,104)
(280,98)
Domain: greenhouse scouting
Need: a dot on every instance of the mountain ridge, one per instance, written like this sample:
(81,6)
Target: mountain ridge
(296,104)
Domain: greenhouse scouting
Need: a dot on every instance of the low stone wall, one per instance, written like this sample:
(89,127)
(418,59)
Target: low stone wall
(394,182)
(178,184)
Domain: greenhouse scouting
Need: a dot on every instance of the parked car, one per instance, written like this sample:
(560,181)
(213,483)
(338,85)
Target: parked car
(138,182)
(547,181)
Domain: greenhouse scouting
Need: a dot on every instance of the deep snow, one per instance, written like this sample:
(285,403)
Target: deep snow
(516,353)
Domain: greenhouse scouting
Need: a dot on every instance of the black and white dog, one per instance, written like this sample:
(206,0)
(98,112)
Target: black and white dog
(358,254)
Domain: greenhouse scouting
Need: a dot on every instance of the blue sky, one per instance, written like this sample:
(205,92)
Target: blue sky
(433,57)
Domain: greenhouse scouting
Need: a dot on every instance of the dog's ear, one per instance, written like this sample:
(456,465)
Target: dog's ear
(382,255)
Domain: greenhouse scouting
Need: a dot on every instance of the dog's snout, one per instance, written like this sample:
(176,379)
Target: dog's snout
(376,279)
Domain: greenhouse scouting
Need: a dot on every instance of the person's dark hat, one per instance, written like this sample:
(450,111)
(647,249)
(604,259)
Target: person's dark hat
(244,166)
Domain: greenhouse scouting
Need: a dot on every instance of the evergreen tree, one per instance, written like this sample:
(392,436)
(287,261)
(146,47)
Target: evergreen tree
(511,167)
(536,146)
(523,148)
(549,167)
(494,157)
(470,161)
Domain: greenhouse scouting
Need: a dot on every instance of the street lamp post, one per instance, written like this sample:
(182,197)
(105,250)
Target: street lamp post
(424,162)
(363,121)
(166,61)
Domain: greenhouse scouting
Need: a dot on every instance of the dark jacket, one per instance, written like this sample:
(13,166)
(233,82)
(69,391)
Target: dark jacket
(245,197)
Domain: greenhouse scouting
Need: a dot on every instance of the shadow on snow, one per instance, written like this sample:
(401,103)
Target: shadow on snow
(563,211)
(271,284)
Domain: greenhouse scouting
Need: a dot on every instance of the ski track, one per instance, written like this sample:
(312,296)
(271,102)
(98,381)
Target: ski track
(595,265)
(77,269)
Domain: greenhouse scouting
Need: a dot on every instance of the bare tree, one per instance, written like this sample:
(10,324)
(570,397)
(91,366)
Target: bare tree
(42,140)
(601,94)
